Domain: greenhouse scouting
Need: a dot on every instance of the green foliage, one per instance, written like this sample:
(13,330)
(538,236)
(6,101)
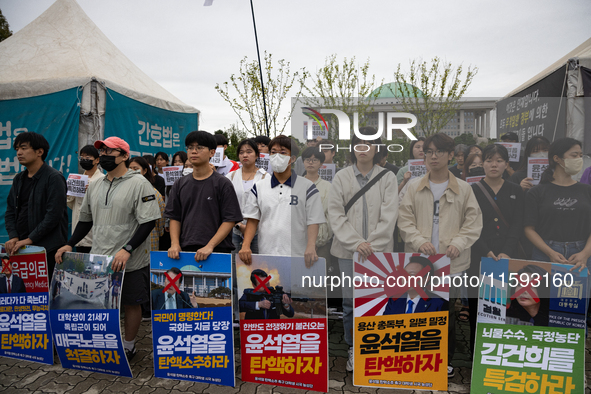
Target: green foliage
(234,136)
(345,86)
(244,94)
(466,139)
(73,265)
(5,31)
(432,91)
(223,291)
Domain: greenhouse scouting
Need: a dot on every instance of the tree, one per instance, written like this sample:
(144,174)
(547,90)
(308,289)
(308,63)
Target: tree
(347,87)
(234,136)
(432,91)
(248,104)
(5,31)
(466,139)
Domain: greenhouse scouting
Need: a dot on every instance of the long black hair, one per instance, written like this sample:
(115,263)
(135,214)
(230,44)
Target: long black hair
(535,144)
(182,154)
(144,164)
(558,148)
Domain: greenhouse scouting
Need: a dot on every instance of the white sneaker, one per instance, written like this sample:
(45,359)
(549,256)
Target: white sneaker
(350,360)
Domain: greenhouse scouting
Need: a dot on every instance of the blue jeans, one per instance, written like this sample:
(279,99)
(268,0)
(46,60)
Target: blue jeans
(346,267)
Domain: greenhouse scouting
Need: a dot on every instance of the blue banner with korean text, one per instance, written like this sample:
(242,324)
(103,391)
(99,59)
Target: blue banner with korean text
(145,128)
(56,116)
(84,310)
(24,317)
(192,318)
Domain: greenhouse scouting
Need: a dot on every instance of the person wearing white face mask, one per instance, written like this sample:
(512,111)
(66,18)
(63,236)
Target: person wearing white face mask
(286,209)
(558,210)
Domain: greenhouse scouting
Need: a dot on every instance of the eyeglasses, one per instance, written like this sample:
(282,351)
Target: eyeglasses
(196,147)
(311,160)
(108,151)
(437,153)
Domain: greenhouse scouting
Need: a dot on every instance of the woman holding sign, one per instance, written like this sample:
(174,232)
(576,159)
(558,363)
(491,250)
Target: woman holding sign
(242,180)
(558,210)
(537,147)
(501,204)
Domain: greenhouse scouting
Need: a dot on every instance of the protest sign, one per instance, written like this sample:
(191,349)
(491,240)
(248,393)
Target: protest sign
(192,318)
(417,168)
(535,168)
(24,317)
(327,172)
(84,311)
(474,179)
(171,174)
(514,149)
(318,130)
(77,185)
(283,322)
(264,162)
(531,328)
(218,157)
(399,341)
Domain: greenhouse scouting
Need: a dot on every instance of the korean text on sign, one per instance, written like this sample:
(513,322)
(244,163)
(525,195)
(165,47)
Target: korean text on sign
(417,168)
(77,185)
(158,136)
(535,168)
(171,174)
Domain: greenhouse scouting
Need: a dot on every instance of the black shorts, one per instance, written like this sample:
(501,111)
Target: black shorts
(136,287)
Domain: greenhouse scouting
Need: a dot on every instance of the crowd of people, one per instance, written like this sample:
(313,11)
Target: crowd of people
(370,206)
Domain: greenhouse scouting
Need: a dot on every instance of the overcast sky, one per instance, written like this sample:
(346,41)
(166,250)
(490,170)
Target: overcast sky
(188,48)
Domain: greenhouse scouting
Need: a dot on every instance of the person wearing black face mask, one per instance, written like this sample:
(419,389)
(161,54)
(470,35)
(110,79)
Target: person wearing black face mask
(122,209)
(89,160)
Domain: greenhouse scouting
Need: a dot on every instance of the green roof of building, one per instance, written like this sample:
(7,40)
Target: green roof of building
(396,90)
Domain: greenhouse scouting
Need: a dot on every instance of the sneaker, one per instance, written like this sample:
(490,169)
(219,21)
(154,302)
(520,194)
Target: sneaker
(350,360)
(130,353)
(451,372)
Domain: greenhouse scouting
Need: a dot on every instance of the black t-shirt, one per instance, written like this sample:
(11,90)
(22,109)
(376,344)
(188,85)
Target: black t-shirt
(22,221)
(160,185)
(559,213)
(201,207)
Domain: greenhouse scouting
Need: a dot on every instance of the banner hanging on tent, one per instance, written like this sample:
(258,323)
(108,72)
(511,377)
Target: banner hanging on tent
(56,116)
(145,128)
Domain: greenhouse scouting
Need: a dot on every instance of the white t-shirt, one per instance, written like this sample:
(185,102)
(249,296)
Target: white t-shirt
(437,189)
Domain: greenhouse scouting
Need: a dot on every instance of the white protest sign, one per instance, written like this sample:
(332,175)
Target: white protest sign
(218,157)
(327,172)
(77,185)
(514,149)
(317,130)
(535,167)
(417,168)
(474,179)
(264,162)
(171,174)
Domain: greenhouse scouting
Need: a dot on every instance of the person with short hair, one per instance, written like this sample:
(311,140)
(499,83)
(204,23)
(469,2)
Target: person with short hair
(122,210)
(227,165)
(440,214)
(262,308)
(313,159)
(364,225)
(171,299)
(286,209)
(456,169)
(262,142)
(89,160)
(202,206)
(243,179)
(36,210)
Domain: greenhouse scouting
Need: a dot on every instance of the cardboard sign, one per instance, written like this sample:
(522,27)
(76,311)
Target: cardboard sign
(218,157)
(171,174)
(77,185)
(84,311)
(327,172)
(417,168)
(514,149)
(535,168)
(24,317)
(263,162)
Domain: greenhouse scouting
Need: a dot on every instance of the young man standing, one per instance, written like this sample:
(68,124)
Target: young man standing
(362,215)
(122,211)
(440,214)
(227,165)
(89,160)
(285,207)
(202,207)
(36,212)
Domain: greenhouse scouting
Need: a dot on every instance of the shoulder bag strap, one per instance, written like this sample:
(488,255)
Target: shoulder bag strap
(493,203)
(364,190)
